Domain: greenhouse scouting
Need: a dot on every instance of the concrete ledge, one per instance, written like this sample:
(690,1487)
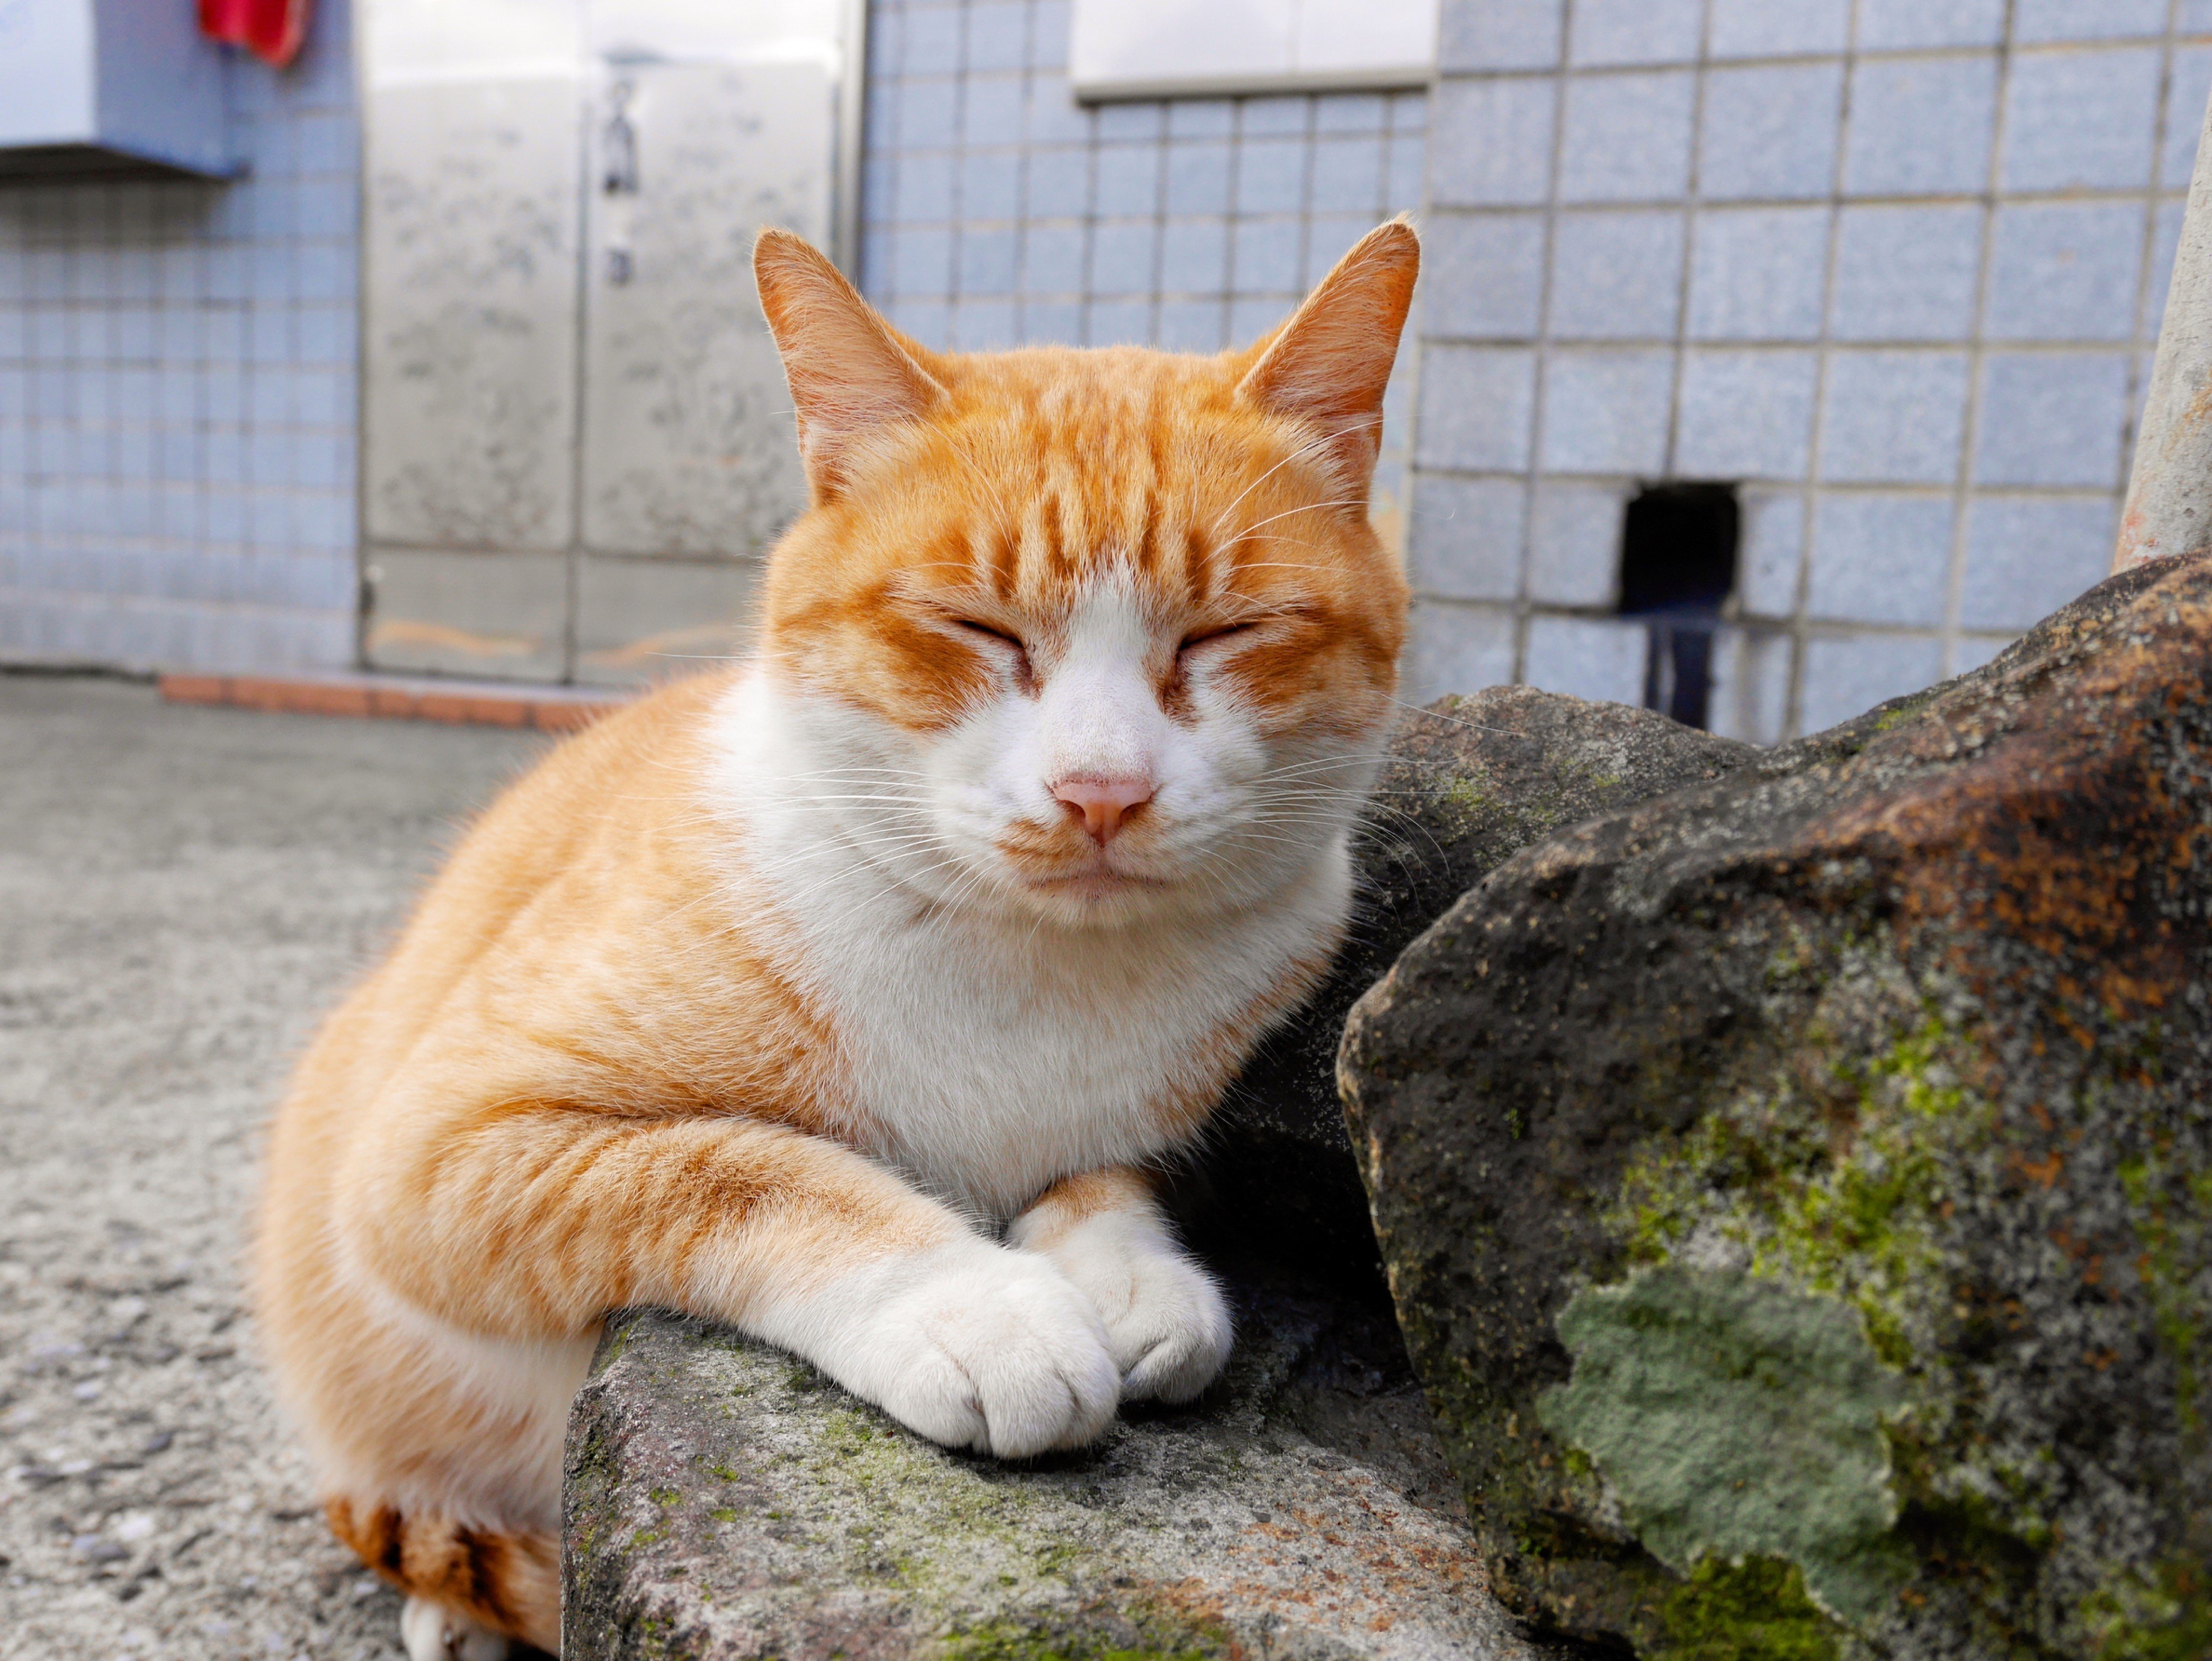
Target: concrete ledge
(395,697)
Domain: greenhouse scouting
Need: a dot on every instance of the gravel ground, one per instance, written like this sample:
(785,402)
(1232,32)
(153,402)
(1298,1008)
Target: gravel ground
(182,892)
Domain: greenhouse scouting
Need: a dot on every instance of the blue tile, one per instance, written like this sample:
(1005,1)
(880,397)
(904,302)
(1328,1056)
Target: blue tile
(2028,555)
(1270,176)
(1845,677)
(1879,558)
(1198,177)
(1347,175)
(994,109)
(1587,658)
(1745,415)
(1921,126)
(1191,326)
(1130,122)
(1906,273)
(1060,183)
(987,261)
(1457,649)
(1055,115)
(1626,138)
(1408,163)
(1499,34)
(1053,259)
(1463,539)
(1118,323)
(2185,105)
(923,263)
(1202,118)
(1770,132)
(1616,274)
(1757,273)
(1490,145)
(2056,418)
(1265,117)
(998,35)
(2037,20)
(1051,323)
(1894,417)
(1122,256)
(1770,551)
(1762,28)
(1610,32)
(1476,408)
(990,185)
(931,42)
(984,325)
(1267,256)
(1606,411)
(2080,120)
(1128,179)
(1352,113)
(929,114)
(925,189)
(1194,257)
(2065,270)
(1049,21)
(1484,275)
(1574,543)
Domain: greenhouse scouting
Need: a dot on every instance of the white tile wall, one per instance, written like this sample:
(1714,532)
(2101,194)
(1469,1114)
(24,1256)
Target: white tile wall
(177,375)
(1893,266)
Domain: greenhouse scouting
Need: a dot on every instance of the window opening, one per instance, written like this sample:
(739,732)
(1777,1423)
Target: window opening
(1678,568)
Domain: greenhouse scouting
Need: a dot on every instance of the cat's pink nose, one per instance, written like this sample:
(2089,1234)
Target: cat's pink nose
(1101,803)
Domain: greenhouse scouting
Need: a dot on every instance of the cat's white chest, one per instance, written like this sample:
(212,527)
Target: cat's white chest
(987,1068)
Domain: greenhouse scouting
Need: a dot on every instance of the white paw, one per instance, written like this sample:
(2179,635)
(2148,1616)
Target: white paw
(1166,1321)
(431,1632)
(974,1346)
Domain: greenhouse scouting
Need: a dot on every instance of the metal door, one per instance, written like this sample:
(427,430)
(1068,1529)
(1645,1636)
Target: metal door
(576,439)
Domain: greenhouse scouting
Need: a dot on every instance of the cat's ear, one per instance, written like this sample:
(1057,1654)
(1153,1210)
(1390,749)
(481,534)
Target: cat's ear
(1327,366)
(850,374)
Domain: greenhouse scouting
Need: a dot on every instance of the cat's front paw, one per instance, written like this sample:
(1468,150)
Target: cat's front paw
(1166,1321)
(982,1348)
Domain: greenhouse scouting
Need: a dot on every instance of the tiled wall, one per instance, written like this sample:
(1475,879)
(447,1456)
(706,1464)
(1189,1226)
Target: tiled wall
(999,210)
(1896,265)
(176,396)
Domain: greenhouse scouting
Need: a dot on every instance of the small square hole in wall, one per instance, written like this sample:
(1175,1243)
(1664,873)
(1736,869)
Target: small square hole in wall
(1678,568)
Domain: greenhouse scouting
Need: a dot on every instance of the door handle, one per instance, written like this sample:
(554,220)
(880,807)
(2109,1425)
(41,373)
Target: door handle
(620,144)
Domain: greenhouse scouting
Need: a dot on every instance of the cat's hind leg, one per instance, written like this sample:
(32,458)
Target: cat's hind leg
(469,1590)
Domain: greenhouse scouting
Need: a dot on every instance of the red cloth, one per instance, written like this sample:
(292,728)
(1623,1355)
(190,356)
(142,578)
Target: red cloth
(270,29)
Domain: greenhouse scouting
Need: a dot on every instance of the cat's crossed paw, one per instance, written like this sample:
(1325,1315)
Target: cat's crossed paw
(1166,1321)
(430,1632)
(978,1347)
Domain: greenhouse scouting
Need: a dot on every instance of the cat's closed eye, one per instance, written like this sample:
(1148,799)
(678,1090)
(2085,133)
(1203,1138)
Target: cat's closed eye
(1221,634)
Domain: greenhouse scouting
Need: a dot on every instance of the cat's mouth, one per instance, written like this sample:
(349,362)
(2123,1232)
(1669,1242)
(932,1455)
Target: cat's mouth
(1098,882)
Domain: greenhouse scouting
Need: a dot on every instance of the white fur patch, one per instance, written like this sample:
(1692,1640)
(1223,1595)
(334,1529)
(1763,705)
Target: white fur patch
(972,1345)
(1166,1321)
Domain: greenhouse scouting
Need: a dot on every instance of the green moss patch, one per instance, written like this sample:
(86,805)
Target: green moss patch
(1738,1419)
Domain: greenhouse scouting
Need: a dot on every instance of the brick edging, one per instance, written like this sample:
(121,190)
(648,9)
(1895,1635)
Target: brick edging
(548,709)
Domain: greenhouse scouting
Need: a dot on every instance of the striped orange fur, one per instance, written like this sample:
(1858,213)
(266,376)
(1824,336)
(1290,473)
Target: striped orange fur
(847,994)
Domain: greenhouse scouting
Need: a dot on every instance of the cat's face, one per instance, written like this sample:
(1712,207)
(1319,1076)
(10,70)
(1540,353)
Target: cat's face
(1088,635)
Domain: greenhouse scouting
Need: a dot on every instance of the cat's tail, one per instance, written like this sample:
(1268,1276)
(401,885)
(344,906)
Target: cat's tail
(509,1582)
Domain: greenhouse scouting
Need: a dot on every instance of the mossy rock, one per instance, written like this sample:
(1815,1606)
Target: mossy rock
(1797,1191)
(725,1501)
(1466,783)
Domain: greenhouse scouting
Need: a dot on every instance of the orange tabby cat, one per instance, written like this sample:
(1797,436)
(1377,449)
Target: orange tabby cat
(847,995)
